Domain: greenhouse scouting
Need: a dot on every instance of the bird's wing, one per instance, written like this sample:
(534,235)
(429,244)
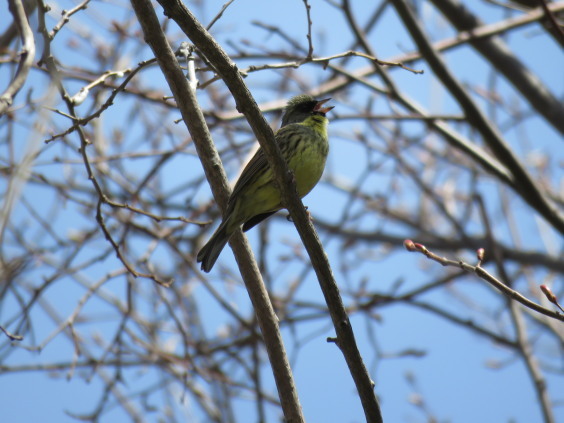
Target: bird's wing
(258,164)
(255,165)
(255,220)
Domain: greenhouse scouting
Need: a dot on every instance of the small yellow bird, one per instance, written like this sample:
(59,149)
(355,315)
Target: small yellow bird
(304,145)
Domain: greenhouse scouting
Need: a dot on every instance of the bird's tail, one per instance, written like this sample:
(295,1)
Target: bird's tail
(210,252)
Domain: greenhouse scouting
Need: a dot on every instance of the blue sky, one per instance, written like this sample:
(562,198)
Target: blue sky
(462,377)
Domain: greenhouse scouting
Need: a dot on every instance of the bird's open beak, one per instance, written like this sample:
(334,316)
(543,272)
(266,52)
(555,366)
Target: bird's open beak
(318,107)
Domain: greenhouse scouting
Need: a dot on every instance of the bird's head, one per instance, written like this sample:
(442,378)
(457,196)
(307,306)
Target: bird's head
(300,107)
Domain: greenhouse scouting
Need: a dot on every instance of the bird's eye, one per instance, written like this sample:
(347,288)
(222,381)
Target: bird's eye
(308,107)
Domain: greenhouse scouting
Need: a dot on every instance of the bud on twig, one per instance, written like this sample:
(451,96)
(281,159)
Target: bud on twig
(480,253)
(409,245)
(549,294)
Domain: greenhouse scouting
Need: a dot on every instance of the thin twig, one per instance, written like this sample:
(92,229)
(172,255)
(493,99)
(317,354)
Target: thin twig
(482,274)
(309,24)
(550,15)
(27,55)
(219,15)
(11,335)
(66,17)
(109,102)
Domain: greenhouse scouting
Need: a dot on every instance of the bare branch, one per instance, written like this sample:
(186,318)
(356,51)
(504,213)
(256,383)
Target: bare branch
(27,55)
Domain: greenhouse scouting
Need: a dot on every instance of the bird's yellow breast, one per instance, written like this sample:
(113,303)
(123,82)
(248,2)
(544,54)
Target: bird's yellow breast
(309,162)
(305,147)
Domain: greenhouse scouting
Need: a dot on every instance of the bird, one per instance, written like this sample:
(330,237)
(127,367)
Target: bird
(304,144)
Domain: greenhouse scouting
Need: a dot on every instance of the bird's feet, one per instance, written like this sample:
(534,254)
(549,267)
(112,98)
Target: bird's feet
(310,217)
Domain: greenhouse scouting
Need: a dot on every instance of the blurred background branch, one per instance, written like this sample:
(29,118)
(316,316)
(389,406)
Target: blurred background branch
(101,185)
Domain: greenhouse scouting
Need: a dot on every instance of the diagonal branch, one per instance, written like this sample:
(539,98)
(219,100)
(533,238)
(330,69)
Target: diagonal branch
(246,105)
(27,55)
(500,56)
(192,114)
(524,183)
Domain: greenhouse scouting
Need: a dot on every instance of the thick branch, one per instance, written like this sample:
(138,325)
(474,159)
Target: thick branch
(186,99)
(246,105)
